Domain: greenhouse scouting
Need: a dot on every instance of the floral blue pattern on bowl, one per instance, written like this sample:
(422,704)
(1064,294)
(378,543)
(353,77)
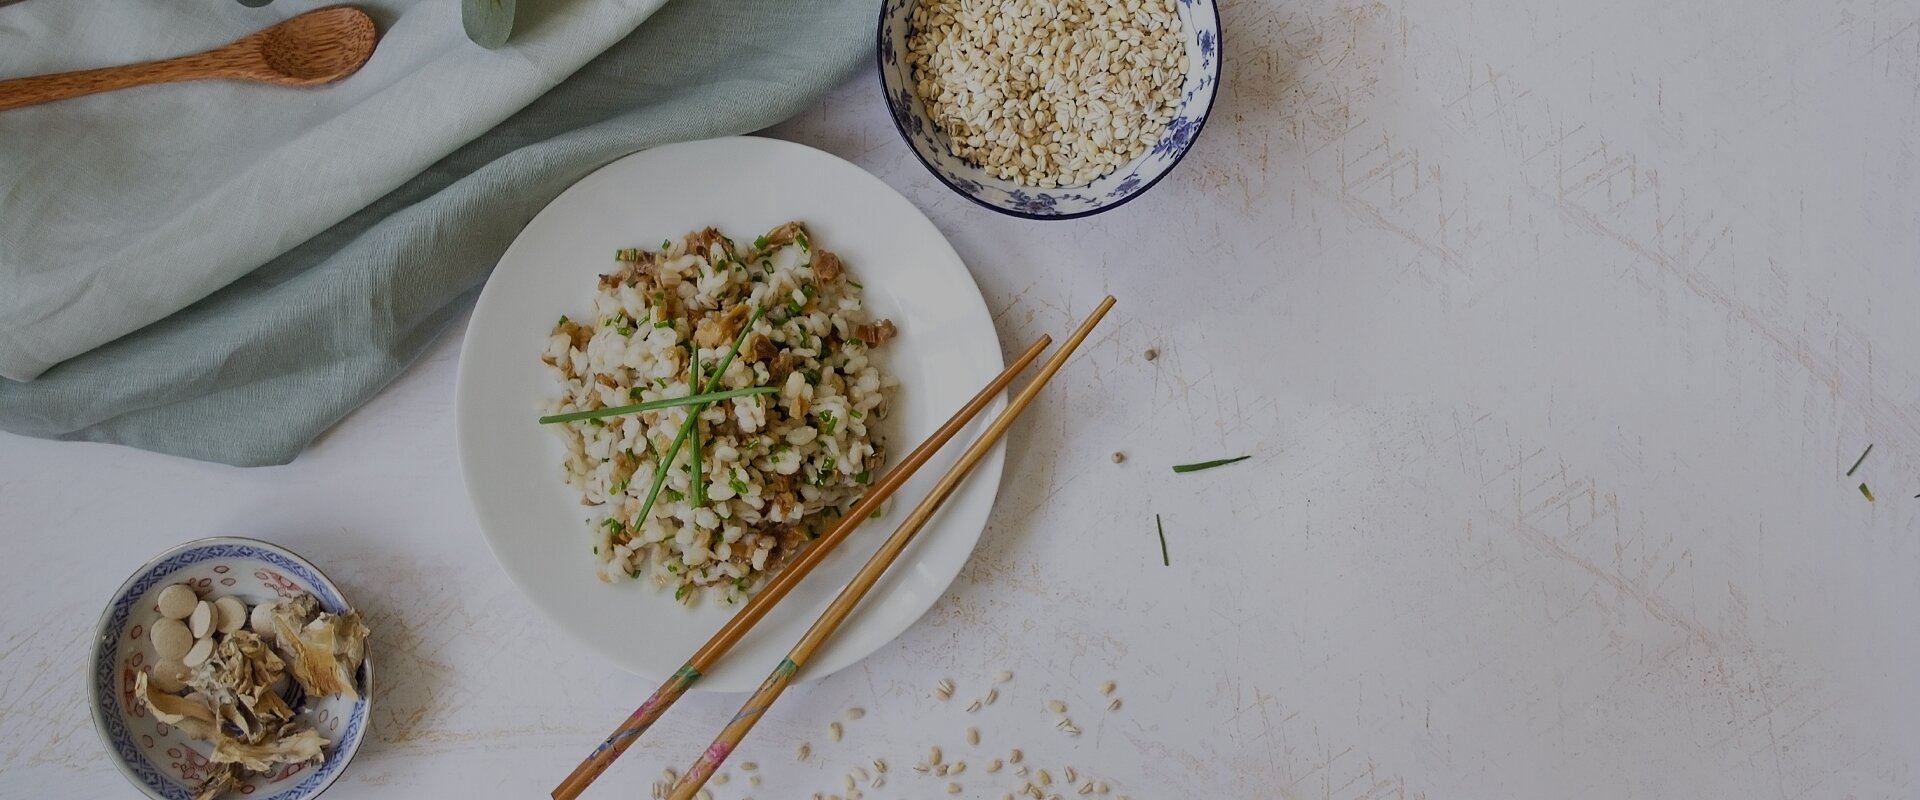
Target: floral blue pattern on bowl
(159,759)
(1200,21)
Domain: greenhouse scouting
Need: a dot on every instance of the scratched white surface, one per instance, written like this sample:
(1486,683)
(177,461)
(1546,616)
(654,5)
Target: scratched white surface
(1551,327)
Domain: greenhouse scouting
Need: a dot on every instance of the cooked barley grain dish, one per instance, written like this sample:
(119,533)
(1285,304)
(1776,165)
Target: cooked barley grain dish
(775,469)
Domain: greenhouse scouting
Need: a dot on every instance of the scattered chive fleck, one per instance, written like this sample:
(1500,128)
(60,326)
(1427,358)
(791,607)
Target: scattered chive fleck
(1867,492)
(1163,541)
(856,284)
(666,244)
(563,320)
(1857,461)
(680,594)
(827,422)
(760,243)
(1207,464)
(864,476)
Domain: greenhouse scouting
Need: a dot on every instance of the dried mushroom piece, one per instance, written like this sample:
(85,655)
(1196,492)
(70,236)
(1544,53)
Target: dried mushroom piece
(220,778)
(325,652)
(194,718)
(297,747)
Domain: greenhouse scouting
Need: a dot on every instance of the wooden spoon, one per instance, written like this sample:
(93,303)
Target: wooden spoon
(320,46)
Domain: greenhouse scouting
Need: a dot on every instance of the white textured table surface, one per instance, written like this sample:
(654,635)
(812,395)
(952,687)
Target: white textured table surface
(1551,327)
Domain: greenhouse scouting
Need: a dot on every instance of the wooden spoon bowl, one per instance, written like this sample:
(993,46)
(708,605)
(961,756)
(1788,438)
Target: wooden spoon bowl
(320,46)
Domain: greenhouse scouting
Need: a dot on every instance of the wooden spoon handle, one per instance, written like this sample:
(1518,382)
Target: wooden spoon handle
(60,86)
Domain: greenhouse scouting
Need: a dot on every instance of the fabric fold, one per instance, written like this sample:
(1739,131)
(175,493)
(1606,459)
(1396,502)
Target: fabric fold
(253,371)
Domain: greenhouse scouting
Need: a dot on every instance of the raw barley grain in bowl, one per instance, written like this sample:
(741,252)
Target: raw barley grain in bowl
(1048,93)
(759,475)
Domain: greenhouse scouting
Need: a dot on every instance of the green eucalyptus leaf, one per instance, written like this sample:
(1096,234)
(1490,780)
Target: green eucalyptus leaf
(488,22)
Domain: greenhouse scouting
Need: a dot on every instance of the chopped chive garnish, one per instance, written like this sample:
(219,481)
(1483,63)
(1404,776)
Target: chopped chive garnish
(1868,492)
(742,583)
(827,422)
(794,309)
(856,414)
(1207,464)
(666,244)
(856,284)
(563,320)
(760,243)
(1857,461)
(865,476)
(1163,541)
(633,393)
(651,405)
(680,594)
(876,513)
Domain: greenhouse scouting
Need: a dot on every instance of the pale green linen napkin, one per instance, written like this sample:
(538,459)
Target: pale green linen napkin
(253,371)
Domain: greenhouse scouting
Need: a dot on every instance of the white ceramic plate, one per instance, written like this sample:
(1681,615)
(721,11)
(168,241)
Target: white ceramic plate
(744,186)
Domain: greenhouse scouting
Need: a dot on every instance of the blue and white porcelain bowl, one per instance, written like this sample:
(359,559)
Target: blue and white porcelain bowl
(158,758)
(1201,25)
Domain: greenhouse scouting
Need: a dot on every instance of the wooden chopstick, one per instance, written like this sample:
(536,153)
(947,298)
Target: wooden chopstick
(843,604)
(783,582)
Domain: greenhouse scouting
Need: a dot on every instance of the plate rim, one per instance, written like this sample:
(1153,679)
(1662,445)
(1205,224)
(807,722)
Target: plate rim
(988,471)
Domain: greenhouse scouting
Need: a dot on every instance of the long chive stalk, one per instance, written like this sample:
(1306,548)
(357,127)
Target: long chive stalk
(655,405)
(697,487)
(686,428)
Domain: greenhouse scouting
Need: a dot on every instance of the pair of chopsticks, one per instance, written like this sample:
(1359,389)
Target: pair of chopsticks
(849,597)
